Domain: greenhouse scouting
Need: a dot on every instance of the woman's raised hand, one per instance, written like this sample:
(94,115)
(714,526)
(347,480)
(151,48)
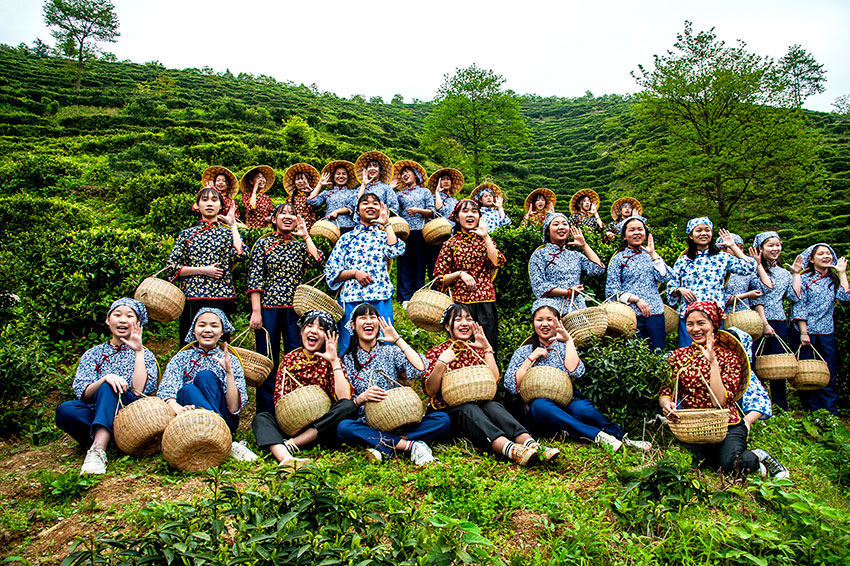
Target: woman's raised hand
(755,254)
(578,237)
(797,266)
(708,349)
(499,201)
(331,344)
(134,341)
(482,229)
(479,338)
(394,182)
(650,245)
(383,215)
(726,236)
(224,360)
(390,334)
(561,333)
(230,217)
(325,179)
(301,228)
(841,265)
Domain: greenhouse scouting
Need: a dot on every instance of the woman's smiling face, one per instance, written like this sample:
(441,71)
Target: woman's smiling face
(208,330)
(698,325)
(313,337)
(545,323)
(120,321)
(460,327)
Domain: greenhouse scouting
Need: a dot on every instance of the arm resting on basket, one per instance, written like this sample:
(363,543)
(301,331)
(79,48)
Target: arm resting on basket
(434,381)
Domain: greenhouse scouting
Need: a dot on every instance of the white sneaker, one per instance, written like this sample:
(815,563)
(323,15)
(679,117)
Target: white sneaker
(95,462)
(605,439)
(639,444)
(420,453)
(404,304)
(240,452)
(374,455)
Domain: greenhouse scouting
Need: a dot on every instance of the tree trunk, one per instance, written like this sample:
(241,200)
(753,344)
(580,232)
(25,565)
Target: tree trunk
(79,68)
(476,173)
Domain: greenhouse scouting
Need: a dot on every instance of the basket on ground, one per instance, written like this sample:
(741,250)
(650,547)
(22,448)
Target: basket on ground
(300,407)
(671,319)
(775,366)
(196,440)
(326,229)
(544,382)
(700,426)
(401,407)
(471,383)
(163,301)
(582,324)
(437,230)
(255,365)
(400,226)
(138,427)
(746,319)
(307,298)
(622,320)
(811,374)
(426,308)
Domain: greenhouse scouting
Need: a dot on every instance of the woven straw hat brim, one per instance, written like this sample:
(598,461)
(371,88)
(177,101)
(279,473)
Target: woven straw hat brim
(457,180)
(399,165)
(584,192)
(210,173)
(385,161)
(349,166)
(728,341)
(267,172)
(615,208)
(551,199)
(292,170)
(492,186)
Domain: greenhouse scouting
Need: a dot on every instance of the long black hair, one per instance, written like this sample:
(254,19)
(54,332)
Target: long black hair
(362,309)
(810,267)
(535,339)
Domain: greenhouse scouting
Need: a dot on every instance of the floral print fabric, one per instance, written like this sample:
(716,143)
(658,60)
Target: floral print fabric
(693,393)
(557,267)
(104,359)
(186,364)
(307,369)
(705,276)
(554,359)
(633,271)
(365,248)
(415,197)
(278,265)
(817,303)
(257,217)
(466,357)
(205,244)
(334,199)
(468,252)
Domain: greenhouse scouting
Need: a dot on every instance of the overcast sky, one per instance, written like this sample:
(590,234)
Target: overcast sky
(380,48)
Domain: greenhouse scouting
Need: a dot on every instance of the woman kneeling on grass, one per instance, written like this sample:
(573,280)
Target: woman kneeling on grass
(486,423)
(552,346)
(204,375)
(121,367)
(372,364)
(316,362)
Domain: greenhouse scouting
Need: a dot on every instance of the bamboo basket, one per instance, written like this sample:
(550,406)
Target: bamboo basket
(671,319)
(437,231)
(468,384)
(196,440)
(426,308)
(255,365)
(402,407)
(775,366)
(163,301)
(544,382)
(307,298)
(699,426)
(811,374)
(746,319)
(300,407)
(400,226)
(622,320)
(582,324)
(138,427)
(326,229)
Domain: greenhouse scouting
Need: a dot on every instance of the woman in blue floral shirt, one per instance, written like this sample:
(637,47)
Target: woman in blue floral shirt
(819,287)
(739,289)
(490,201)
(120,367)
(337,199)
(416,207)
(699,274)
(372,364)
(358,263)
(278,264)
(374,171)
(202,256)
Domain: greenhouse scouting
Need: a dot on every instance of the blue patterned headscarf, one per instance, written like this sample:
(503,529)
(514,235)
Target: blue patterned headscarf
(763,237)
(621,225)
(808,254)
(694,222)
(137,306)
(735,238)
(549,218)
(225,323)
(326,321)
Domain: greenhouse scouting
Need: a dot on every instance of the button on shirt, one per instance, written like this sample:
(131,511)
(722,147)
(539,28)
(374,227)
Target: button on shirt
(186,364)
(771,299)
(557,267)
(366,249)
(705,276)
(104,359)
(468,252)
(334,199)
(817,303)
(415,197)
(633,271)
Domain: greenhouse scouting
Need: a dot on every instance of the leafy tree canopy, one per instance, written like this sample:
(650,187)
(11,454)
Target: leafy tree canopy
(803,74)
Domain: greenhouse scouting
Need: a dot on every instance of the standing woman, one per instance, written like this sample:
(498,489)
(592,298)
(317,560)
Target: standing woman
(468,263)
(538,204)
(487,424)
(120,368)
(416,206)
(202,256)
(819,287)
(775,285)
(555,271)
(584,211)
(491,203)
(699,273)
(278,264)
(224,181)
(337,199)
(634,274)
(258,205)
(444,184)
(621,209)
(358,263)
(739,289)
(372,364)
(374,171)
(298,182)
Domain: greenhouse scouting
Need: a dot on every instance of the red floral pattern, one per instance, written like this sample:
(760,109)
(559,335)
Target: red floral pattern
(468,252)
(304,210)
(465,358)
(693,393)
(307,369)
(257,217)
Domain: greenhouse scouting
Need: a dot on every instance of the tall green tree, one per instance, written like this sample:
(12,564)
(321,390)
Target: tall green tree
(803,74)
(710,134)
(78,24)
(472,115)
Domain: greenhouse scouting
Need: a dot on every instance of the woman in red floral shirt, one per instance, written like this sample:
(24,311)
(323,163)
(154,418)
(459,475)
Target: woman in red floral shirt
(258,205)
(298,182)
(467,265)
(703,365)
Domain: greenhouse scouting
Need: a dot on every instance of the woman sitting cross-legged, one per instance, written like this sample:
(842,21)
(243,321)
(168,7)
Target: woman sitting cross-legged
(120,368)
(486,423)
(552,346)
(316,362)
(205,375)
(372,363)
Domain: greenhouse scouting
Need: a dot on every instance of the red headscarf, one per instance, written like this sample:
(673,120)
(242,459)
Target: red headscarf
(711,309)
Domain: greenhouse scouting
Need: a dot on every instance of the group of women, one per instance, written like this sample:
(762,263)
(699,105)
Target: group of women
(359,359)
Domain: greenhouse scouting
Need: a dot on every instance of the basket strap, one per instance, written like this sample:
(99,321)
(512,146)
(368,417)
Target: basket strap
(288,375)
(385,375)
(311,281)
(587,297)
(466,346)
(814,352)
(734,302)
(760,348)
(784,345)
(240,337)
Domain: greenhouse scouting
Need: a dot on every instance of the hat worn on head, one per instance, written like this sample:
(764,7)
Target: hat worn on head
(331,168)
(226,326)
(293,170)
(550,197)
(694,222)
(763,237)
(386,165)
(807,254)
(735,238)
(137,306)
(418,170)
(248,178)
(488,186)
(575,200)
(637,209)
(210,173)
(456,176)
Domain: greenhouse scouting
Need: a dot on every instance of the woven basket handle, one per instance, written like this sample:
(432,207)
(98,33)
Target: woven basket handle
(466,346)
(384,374)
(587,297)
(814,350)
(244,335)
(781,341)
(704,382)
(311,281)
(120,404)
(287,375)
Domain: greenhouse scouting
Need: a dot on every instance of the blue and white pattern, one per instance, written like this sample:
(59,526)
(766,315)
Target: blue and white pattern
(763,237)
(384,192)
(634,271)
(694,222)
(137,306)
(415,197)
(225,323)
(705,276)
(105,359)
(334,199)
(365,248)
(186,364)
(449,204)
(553,360)
(384,360)
(808,253)
(556,267)
(494,218)
(817,303)
(771,299)
(738,285)
(755,397)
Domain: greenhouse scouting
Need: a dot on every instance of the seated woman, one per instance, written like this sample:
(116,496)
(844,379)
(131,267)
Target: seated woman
(701,365)
(258,205)
(538,204)
(337,199)
(490,201)
(552,346)
(316,362)
(622,208)
(555,271)
(372,364)
(374,171)
(584,211)
(486,423)
(298,181)
(205,375)
(121,367)
(224,181)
